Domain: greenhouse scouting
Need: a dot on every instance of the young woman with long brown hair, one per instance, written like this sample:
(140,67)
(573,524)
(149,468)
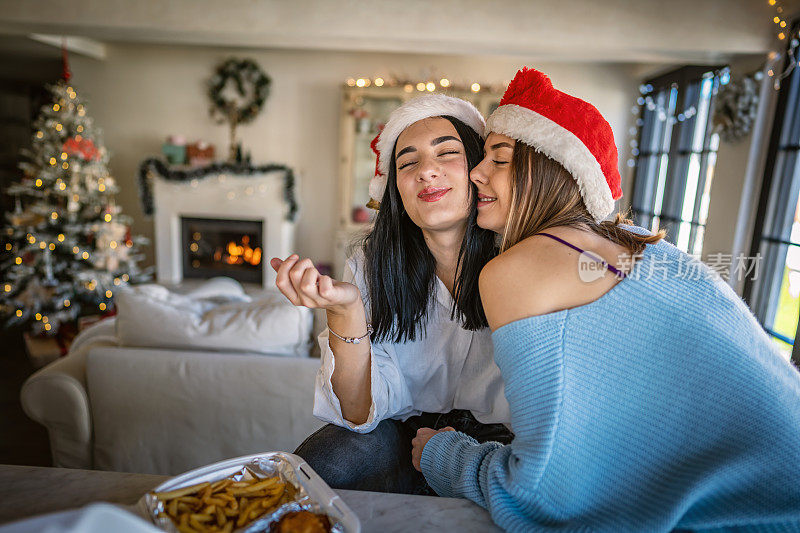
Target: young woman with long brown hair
(644,395)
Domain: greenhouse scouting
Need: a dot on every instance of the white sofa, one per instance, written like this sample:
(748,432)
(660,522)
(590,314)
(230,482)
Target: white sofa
(165,411)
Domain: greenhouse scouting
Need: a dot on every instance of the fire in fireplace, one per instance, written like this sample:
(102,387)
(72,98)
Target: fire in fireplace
(223,247)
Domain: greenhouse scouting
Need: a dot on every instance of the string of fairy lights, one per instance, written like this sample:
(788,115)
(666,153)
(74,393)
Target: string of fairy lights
(430,84)
(789,58)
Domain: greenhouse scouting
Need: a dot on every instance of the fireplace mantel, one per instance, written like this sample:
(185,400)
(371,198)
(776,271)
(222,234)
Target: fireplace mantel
(226,195)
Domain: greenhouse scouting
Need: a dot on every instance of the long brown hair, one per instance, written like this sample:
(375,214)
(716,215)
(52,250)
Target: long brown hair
(544,195)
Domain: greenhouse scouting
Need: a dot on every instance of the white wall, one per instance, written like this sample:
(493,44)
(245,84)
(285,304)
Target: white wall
(142,93)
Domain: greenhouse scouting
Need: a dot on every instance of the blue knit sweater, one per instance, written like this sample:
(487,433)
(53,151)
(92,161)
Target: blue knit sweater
(661,405)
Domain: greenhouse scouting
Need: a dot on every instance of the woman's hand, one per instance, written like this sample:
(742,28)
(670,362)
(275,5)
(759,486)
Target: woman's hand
(302,284)
(419,442)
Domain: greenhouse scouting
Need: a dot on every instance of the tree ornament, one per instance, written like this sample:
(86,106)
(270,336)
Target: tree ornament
(84,148)
(26,219)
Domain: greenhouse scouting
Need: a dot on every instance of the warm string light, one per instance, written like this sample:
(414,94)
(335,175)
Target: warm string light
(775,57)
(229,195)
(421,86)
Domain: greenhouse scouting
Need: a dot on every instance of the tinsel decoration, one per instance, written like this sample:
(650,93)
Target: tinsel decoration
(155,167)
(736,107)
(251,85)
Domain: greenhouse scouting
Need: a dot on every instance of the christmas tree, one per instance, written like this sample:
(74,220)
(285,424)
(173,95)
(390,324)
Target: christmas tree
(66,248)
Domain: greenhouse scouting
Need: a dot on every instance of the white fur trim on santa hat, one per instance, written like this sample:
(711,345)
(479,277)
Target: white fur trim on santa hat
(419,108)
(560,144)
(377,186)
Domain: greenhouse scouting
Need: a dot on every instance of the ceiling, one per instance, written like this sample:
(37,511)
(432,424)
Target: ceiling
(632,31)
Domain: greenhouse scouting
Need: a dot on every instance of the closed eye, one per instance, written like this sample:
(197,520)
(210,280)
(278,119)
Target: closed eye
(404,165)
(451,152)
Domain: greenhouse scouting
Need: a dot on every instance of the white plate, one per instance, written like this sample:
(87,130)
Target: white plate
(94,518)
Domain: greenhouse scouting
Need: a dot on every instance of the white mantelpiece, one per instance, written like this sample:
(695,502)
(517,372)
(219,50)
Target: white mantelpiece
(226,196)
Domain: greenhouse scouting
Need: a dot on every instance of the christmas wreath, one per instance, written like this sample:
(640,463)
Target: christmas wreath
(736,108)
(250,82)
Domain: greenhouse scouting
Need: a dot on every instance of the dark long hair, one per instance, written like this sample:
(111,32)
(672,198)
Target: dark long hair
(401,271)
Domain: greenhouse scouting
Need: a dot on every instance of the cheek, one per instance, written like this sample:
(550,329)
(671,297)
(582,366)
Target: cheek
(501,183)
(406,188)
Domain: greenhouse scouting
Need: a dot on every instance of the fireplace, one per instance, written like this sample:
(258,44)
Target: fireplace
(223,247)
(224,209)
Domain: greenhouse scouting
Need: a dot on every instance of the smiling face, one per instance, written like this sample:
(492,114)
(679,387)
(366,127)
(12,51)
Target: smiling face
(493,179)
(432,175)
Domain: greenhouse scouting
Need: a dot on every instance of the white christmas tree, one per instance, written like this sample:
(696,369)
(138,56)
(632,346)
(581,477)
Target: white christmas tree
(66,248)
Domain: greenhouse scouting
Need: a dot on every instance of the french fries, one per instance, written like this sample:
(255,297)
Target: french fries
(223,505)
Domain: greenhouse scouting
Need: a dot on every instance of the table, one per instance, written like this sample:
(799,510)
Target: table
(26,491)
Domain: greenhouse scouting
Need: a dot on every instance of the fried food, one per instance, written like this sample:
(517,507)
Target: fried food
(302,522)
(224,505)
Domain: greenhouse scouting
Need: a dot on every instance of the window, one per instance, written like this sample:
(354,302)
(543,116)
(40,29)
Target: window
(773,294)
(676,153)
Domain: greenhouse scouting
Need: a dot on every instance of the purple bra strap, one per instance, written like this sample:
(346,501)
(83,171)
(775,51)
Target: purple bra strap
(614,270)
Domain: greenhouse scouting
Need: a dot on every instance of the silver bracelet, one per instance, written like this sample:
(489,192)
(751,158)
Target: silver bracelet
(353,340)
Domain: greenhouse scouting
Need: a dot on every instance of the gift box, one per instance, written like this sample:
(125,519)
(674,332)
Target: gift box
(175,154)
(200,153)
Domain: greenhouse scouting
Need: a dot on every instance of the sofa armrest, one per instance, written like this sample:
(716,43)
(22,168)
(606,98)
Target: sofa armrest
(55,398)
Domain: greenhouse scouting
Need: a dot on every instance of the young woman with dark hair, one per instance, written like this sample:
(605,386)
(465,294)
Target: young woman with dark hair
(407,343)
(644,394)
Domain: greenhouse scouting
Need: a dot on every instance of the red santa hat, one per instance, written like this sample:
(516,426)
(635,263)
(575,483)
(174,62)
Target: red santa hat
(416,109)
(566,129)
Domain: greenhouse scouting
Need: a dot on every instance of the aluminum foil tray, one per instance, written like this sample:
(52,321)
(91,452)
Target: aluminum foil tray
(313,494)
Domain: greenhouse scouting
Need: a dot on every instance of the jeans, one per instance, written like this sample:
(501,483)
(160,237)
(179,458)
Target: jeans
(380,460)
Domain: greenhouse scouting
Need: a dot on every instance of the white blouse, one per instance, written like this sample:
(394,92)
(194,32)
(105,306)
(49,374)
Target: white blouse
(445,368)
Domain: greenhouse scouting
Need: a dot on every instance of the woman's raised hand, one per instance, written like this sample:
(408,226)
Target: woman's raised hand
(302,284)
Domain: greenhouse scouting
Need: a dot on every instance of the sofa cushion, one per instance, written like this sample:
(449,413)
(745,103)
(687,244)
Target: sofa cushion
(153,316)
(168,411)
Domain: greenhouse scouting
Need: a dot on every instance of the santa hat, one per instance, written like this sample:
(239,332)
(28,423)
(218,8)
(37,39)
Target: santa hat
(566,129)
(416,109)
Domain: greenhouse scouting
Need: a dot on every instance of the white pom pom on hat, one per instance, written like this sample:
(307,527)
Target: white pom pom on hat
(416,109)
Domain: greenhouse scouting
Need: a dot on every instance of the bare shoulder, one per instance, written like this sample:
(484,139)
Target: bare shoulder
(534,277)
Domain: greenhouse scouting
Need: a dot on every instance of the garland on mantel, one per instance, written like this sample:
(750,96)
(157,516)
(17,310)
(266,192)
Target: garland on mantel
(153,167)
